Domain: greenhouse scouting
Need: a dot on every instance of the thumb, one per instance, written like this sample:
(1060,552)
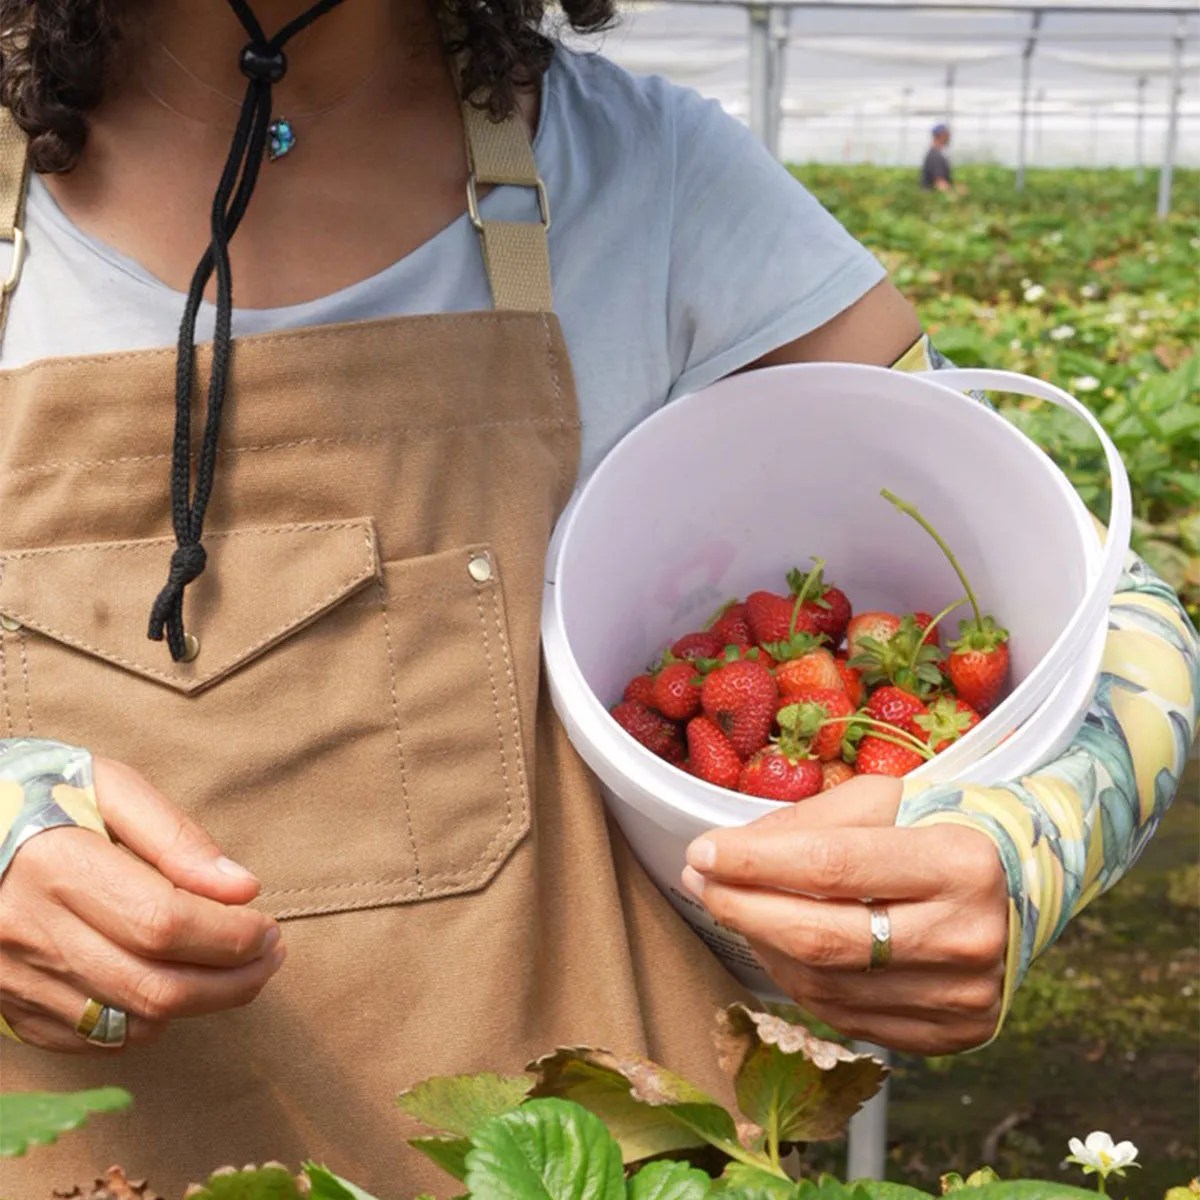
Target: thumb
(144,821)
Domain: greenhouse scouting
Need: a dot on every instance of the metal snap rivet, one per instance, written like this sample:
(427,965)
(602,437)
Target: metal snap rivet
(9,623)
(480,568)
(191,647)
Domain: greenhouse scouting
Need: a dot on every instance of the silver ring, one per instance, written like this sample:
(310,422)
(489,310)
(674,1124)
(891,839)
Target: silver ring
(112,1028)
(881,938)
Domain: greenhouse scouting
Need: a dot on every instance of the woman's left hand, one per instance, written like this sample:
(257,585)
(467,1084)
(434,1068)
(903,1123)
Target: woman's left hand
(944,890)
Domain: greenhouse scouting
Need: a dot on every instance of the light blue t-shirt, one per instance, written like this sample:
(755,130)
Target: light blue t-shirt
(680,251)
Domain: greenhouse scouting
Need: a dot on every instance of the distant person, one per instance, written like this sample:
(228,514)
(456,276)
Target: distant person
(935,170)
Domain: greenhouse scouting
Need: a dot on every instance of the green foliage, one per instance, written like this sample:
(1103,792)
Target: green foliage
(37,1118)
(271,1182)
(669,1181)
(1073,281)
(546,1150)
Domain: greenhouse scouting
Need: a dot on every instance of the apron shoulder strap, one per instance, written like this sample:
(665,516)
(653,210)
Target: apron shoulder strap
(14,180)
(516,253)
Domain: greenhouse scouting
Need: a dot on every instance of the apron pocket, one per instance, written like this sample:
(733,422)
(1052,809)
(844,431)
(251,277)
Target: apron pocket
(349,729)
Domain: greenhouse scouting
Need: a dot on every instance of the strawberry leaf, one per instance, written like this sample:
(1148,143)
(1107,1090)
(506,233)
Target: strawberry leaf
(646,1108)
(742,1182)
(325,1185)
(669,1181)
(792,1085)
(459,1104)
(547,1149)
(269,1182)
(37,1118)
(449,1153)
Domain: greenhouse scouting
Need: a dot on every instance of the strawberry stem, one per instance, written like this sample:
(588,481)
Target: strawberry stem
(814,574)
(925,633)
(911,511)
(910,742)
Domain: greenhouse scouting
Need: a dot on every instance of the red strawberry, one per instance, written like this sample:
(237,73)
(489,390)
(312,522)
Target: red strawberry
(813,669)
(770,616)
(834,774)
(851,681)
(946,721)
(774,774)
(641,689)
(826,607)
(806,718)
(676,695)
(654,731)
(978,665)
(704,644)
(894,706)
(710,755)
(741,698)
(879,757)
(923,621)
(732,628)
(877,625)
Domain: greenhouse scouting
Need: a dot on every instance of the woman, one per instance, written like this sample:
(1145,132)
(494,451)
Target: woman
(341,685)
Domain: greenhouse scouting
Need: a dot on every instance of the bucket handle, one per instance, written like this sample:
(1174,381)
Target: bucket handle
(1073,640)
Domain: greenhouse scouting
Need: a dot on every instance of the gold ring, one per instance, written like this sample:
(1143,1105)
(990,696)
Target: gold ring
(881,938)
(86,1025)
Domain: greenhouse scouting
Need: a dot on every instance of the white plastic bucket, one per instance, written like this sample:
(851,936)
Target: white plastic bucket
(722,491)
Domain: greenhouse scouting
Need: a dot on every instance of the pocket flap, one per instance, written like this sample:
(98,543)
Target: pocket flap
(260,586)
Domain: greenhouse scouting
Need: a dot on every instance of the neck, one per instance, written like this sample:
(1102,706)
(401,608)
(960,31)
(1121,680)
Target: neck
(188,54)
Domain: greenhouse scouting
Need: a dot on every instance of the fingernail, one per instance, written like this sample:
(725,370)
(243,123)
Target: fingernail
(270,940)
(228,867)
(693,881)
(702,854)
(277,957)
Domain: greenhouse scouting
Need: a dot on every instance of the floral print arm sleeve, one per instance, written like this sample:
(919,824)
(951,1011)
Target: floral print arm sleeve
(1069,831)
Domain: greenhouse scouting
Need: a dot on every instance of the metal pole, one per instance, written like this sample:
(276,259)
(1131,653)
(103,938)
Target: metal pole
(951,72)
(905,97)
(760,70)
(866,1149)
(1139,145)
(1039,120)
(1026,72)
(781,22)
(1094,128)
(1168,167)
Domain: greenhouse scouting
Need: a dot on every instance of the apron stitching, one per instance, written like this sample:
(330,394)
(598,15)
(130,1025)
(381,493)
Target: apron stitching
(213,673)
(25,676)
(360,523)
(518,744)
(412,841)
(487,650)
(408,432)
(248,342)
(4,683)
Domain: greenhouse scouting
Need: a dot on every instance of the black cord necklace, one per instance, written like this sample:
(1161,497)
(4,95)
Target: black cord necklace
(264,64)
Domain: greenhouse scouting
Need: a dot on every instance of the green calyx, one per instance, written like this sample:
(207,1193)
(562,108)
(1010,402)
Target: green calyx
(798,725)
(732,654)
(944,722)
(983,636)
(810,585)
(907,660)
(796,646)
(868,726)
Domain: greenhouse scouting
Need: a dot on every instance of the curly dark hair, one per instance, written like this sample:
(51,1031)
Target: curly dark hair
(57,55)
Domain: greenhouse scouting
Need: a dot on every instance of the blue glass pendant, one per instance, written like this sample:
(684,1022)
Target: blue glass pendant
(282,138)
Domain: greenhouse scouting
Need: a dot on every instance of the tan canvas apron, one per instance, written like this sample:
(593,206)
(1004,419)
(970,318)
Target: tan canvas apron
(364,726)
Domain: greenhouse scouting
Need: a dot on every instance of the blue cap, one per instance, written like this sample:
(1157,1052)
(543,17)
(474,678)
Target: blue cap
(940,128)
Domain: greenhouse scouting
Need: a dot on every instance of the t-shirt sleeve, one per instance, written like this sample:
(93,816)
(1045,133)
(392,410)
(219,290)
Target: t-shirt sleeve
(755,261)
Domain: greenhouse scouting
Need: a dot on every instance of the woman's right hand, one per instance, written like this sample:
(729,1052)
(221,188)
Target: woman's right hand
(157,926)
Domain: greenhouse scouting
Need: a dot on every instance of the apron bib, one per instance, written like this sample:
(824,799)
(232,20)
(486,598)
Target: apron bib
(364,726)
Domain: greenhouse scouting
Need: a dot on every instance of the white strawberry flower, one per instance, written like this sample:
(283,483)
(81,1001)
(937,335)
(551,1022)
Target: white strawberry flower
(1085,383)
(1063,333)
(1034,293)
(1089,291)
(1098,1156)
